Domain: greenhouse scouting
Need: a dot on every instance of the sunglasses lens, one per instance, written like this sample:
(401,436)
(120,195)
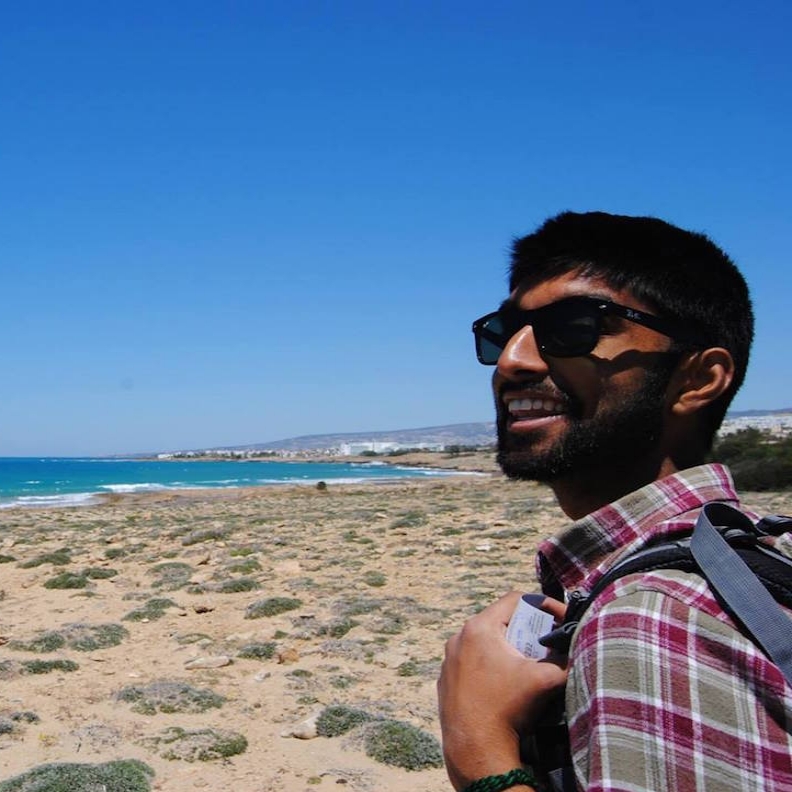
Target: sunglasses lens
(567,328)
(491,337)
(568,334)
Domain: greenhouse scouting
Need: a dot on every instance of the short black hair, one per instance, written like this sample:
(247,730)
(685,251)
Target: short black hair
(680,274)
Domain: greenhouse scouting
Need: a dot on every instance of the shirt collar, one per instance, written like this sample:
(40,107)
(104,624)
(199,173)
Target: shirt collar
(593,543)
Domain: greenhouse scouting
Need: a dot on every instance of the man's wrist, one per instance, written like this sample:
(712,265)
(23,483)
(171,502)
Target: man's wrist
(513,779)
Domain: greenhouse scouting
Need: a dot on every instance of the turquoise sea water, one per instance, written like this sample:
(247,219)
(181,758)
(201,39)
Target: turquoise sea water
(28,481)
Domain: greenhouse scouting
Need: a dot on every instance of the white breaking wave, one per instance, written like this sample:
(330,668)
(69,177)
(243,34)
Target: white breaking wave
(73,499)
(148,486)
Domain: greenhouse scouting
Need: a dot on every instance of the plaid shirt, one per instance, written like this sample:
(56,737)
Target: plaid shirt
(663,693)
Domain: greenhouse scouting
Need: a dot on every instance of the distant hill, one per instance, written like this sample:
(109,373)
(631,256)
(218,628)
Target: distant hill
(468,434)
(756,413)
(477,434)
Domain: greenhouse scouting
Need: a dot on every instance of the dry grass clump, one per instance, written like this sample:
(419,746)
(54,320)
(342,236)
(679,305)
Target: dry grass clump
(89,637)
(227,586)
(169,697)
(202,745)
(81,637)
(200,535)
(44,641)
(171,575)
(10,722)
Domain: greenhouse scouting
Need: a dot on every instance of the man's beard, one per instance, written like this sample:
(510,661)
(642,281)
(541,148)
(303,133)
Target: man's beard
(616,438)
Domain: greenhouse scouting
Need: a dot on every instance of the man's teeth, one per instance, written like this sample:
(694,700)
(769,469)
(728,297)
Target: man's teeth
(535,405)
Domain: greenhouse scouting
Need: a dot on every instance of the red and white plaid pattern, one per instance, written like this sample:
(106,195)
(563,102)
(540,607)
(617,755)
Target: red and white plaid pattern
(663,692)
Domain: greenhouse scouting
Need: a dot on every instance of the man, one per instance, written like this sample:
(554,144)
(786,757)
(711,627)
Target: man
(617,353)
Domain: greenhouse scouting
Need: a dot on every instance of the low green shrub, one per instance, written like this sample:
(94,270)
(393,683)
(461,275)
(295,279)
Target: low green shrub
(47,666)
(125,775)
(338,628)
(271,606)
(407,668)
(99,573)
(56,558)
(758,461)
(402,745)
(258,651)
(236,585)
(410,519)
(67,580)
(339,719)
(151,610)
(374,578)
(48,641)
(244,567)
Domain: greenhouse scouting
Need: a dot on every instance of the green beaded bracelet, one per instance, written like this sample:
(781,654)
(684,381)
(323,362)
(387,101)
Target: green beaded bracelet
(496,783)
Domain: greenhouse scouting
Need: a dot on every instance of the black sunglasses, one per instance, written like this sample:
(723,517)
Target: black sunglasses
(566,328)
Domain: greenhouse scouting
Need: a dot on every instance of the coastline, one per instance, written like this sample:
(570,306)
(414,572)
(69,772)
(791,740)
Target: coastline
(474,460)
(78,482)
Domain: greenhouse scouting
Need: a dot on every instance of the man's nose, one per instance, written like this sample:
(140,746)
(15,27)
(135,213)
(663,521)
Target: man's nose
(520,357)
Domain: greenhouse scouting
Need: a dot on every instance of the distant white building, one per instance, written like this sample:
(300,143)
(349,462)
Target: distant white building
(370,446)
(373,446)
(779,424)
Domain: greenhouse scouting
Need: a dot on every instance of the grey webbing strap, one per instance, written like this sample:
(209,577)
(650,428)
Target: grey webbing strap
(738,586)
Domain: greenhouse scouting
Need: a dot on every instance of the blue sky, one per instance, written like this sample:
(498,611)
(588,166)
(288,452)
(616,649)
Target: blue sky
(236,222)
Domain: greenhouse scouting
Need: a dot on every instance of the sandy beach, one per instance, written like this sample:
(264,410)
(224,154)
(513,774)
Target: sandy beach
(202,633)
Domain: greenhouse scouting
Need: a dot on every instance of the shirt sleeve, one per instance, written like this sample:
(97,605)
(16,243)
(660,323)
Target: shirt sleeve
(664,694)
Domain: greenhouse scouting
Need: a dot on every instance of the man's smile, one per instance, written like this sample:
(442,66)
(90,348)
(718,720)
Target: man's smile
(526,410)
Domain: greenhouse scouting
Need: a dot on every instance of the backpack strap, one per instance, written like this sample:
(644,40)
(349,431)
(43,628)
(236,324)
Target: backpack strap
(773,569)
(738,587)
(774,525)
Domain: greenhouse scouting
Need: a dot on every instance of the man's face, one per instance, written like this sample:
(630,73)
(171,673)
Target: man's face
(558,417)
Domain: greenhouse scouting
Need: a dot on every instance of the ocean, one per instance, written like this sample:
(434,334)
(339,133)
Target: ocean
(33,481)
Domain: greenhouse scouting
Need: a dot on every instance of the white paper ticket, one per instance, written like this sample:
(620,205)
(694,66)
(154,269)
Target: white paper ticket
(526,625)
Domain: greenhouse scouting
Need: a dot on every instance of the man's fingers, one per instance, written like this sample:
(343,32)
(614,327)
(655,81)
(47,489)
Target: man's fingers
(558,609)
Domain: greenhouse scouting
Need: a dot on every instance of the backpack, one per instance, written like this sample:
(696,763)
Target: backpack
(748,578)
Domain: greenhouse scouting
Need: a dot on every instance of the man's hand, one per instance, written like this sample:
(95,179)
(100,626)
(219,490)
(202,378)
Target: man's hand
(489,693)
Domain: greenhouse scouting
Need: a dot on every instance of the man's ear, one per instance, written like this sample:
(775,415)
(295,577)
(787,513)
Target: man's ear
(699,380)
